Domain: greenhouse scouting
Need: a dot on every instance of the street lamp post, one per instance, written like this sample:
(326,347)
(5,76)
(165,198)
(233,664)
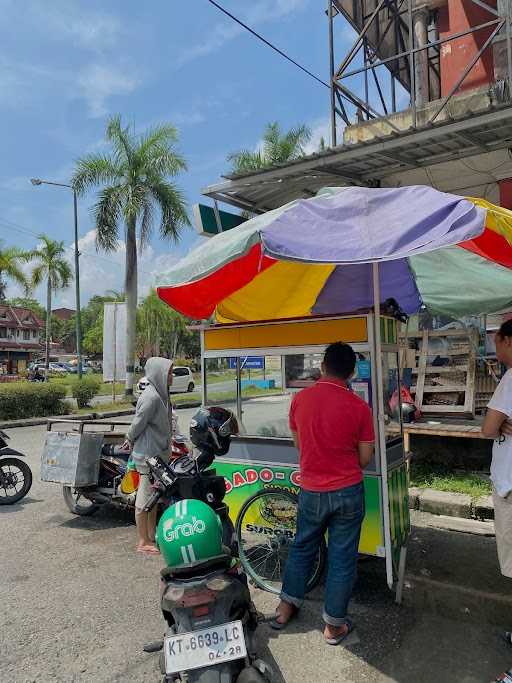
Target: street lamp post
(38,181)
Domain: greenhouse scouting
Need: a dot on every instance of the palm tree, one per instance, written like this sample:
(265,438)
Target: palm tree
(11,260)
(160,328)
(50,265)
(134,181)
(277,148)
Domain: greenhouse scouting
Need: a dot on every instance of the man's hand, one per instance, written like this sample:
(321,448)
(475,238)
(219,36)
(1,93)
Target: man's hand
(506,427)
(493,424)
(365,453)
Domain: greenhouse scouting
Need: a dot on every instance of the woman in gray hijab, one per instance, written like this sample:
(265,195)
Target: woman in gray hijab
(150,435)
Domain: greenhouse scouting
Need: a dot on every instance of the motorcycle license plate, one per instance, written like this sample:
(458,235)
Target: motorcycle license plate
(203,648)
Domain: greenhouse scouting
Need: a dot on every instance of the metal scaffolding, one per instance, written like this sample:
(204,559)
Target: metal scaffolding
(395,59)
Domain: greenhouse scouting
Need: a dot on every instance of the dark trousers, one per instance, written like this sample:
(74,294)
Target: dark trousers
(341,514)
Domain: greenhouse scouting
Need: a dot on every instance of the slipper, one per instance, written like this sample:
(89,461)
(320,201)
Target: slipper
(507,637)
(340,639)
(280,625)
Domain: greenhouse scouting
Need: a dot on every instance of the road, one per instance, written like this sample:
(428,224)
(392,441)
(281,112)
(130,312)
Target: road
(78,603)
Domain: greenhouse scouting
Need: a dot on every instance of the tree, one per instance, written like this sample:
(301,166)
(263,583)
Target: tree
(277,148)
(50,265)
(134,182)
(162,330)
(93,339)
(159,327)
(11,262)
(92,320)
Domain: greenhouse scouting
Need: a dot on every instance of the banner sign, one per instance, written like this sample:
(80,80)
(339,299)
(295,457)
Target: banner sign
(114,342)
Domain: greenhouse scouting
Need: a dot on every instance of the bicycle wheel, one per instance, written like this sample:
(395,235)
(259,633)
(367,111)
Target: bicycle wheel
(265,528)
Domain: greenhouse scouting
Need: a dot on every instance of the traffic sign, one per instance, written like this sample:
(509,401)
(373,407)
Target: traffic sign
(248,363)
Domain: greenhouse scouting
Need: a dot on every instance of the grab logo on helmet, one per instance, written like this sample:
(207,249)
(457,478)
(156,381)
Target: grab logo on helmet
(173,529)
(172,533)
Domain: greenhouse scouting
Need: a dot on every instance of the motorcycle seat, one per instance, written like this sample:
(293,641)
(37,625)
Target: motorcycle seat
(196,569)
(115,450)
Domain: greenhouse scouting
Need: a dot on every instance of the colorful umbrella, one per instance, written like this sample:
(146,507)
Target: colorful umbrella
(313,257)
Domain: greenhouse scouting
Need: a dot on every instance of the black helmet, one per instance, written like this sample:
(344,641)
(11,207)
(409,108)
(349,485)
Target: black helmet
(211,429)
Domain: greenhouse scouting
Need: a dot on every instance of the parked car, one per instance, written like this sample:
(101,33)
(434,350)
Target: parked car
(182,381)
(86,369)
(59,368)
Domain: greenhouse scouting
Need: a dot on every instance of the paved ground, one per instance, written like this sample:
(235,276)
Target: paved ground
(78,603)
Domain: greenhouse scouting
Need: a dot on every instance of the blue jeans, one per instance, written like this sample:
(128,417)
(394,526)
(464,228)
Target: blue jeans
(340,513)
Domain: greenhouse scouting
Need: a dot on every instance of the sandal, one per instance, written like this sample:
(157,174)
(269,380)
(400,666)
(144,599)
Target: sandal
(280,625)
(339,639)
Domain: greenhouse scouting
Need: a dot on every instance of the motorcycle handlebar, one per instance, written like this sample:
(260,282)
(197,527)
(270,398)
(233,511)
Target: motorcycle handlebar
(153,500)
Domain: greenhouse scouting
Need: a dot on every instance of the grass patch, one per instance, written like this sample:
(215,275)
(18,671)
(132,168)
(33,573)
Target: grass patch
(104,390)
(220,376)
(103,408)
(472,485)
(179,399)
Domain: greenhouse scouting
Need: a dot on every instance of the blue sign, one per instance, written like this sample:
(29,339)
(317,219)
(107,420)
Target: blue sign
(363,369)
(248,363)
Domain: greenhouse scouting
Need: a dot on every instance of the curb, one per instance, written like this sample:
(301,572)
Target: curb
(188,404)
(38,421)
(451,504)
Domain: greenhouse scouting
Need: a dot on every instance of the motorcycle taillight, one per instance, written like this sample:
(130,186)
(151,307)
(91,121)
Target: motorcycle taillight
(201,611)
(197,598)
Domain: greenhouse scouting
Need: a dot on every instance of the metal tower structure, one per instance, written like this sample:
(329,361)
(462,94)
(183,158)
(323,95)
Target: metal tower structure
(410,53)
(422,95)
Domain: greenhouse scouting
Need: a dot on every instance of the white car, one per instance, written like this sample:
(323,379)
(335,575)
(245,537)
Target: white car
(182,381)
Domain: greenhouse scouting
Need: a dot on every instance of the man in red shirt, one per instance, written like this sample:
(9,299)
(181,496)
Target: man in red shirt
(333,429)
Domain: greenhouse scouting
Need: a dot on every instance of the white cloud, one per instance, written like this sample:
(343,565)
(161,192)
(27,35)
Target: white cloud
(320,129)
(96,32)
(186,119)
(92,30)
(98,83)
(66,21)
(224,31)
(100,271)
(23,83)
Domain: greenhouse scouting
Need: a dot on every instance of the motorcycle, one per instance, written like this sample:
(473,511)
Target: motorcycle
(117,484)
(211,619)
(15,474)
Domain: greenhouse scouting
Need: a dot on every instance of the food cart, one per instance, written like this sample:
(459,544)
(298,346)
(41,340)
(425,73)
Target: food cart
(263,455)
(288,282)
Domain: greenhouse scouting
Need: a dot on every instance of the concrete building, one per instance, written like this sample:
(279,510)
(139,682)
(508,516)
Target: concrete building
(63,313)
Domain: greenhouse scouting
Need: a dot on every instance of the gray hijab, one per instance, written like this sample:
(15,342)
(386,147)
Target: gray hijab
(156,371)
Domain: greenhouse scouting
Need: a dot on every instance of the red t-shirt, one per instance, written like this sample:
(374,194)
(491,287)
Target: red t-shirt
(330,421)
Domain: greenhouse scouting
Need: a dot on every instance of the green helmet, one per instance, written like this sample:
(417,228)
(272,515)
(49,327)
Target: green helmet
(189,532)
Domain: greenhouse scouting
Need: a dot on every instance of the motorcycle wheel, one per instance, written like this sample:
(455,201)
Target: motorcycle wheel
(71,498)
(17,473)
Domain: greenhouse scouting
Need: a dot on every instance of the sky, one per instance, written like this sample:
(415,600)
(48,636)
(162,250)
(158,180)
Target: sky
(66,66)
